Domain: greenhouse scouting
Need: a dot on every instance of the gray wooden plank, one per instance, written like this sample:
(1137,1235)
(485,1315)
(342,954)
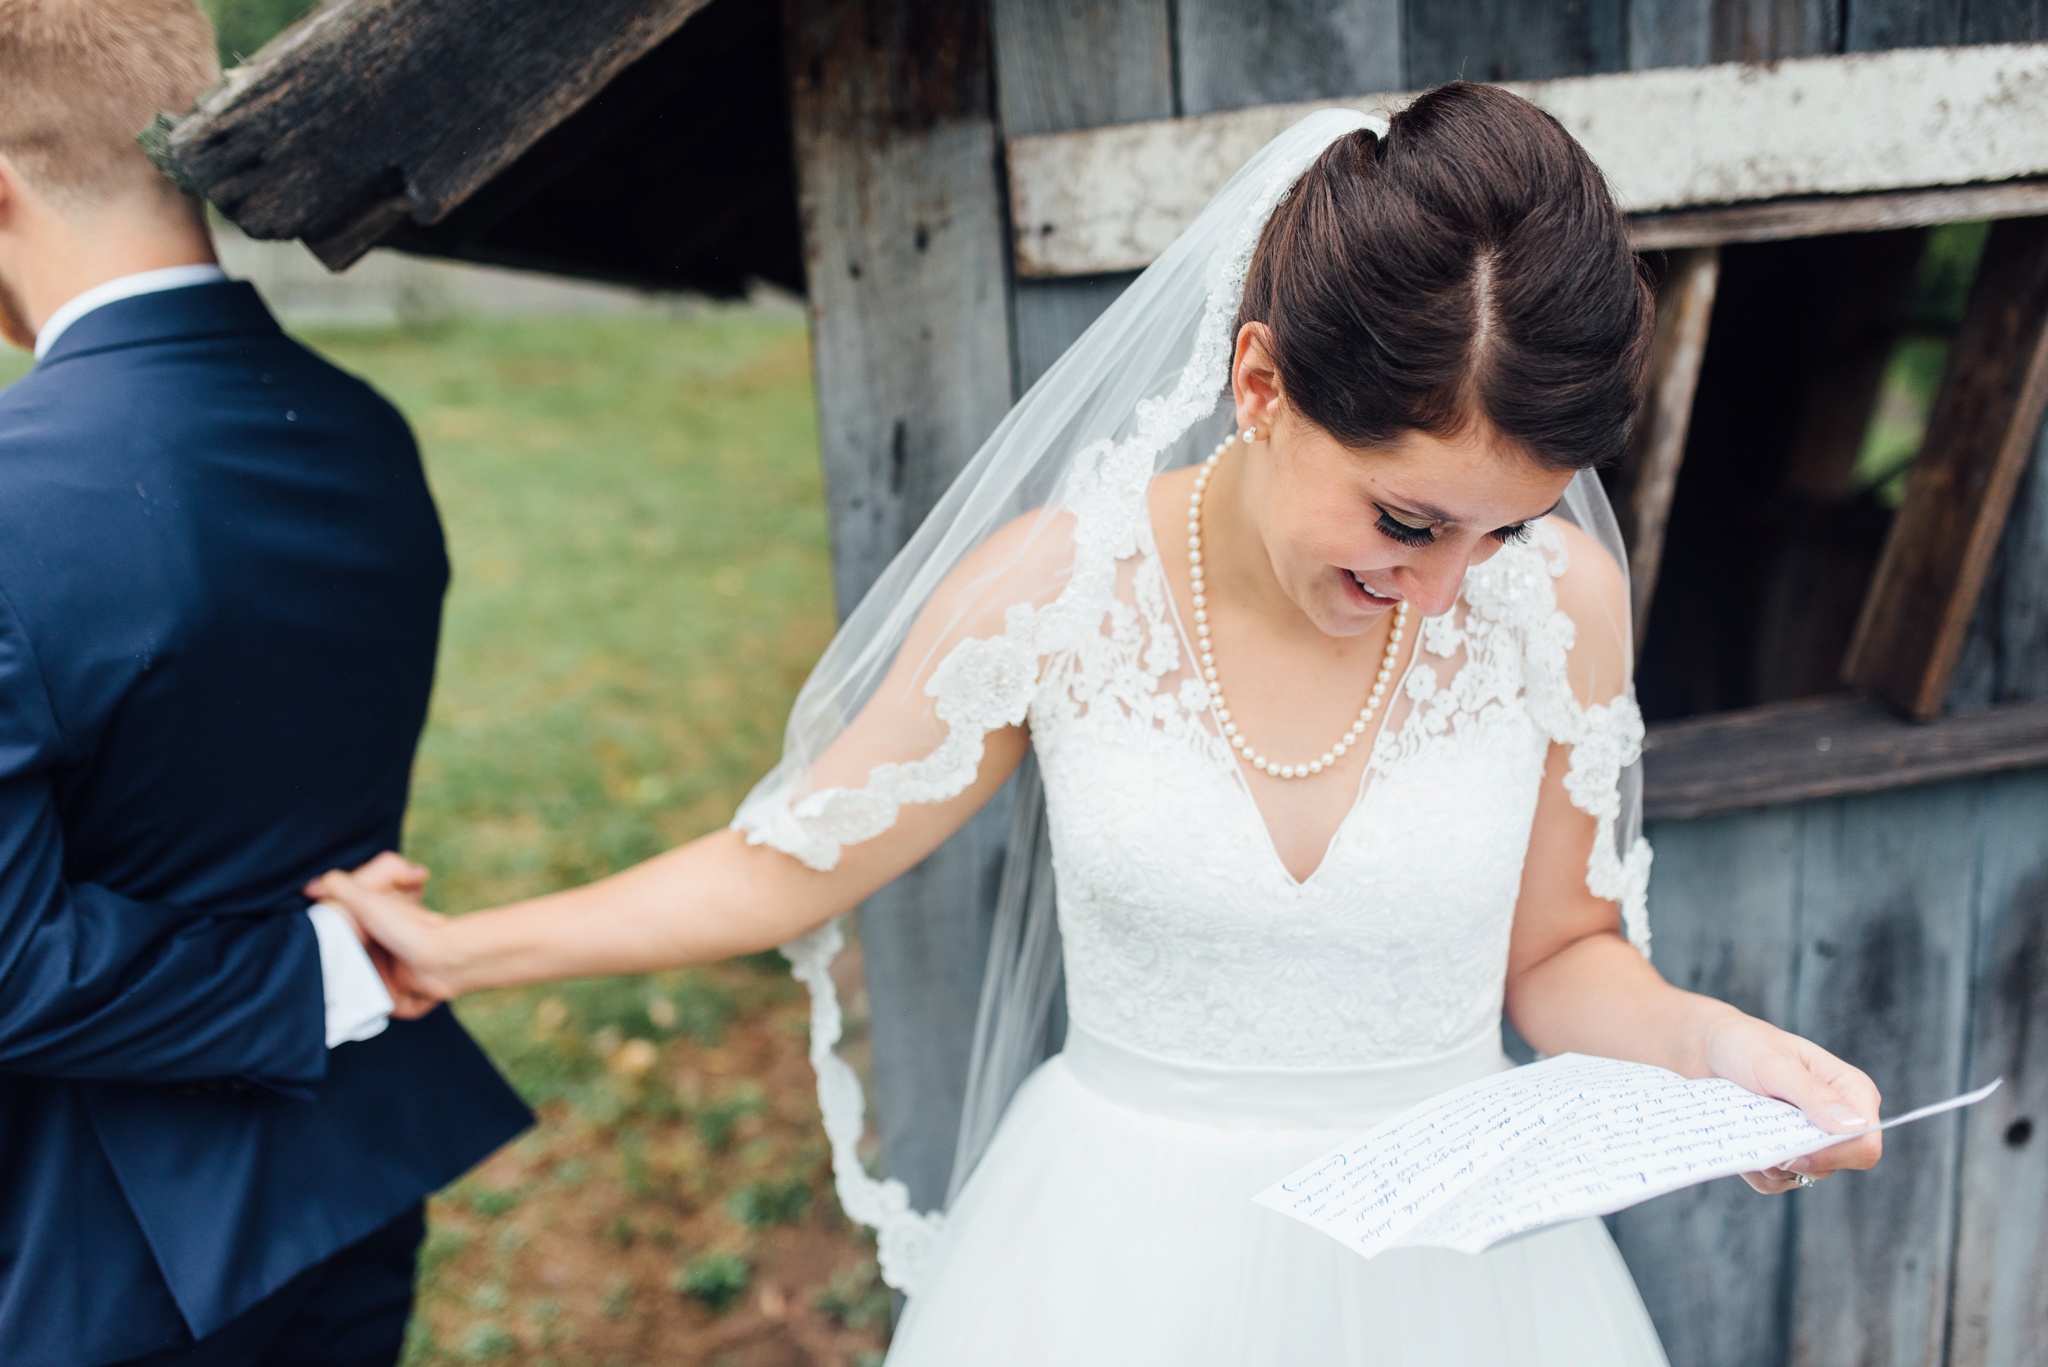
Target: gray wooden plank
(1827,747)
(1887,886)
(2005,659)
(1081,63)
(1769,30)
(1064,64)
(2020,596)
(1090,201)
(1710,1260)
(2005,21)
(904,245)
(1820,216)
(1231,54)
(1510,40)
(1871,25)
(1648,476)
(1696,32)
(2000,1313)
(1047,315)
(1669,33)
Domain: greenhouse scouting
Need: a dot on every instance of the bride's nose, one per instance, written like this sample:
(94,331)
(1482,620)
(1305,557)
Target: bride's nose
(1430,583)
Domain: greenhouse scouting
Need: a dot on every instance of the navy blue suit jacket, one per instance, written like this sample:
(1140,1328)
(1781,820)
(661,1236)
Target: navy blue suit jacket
(220,588)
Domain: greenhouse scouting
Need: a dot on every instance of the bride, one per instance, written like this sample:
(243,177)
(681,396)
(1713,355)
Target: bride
(1290,590)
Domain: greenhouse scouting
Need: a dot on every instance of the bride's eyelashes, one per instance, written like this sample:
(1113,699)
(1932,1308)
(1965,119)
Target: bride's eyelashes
(1406,533)
(1415,536)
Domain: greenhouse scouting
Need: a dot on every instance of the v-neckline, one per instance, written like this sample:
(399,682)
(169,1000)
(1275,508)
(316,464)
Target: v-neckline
(1242,784)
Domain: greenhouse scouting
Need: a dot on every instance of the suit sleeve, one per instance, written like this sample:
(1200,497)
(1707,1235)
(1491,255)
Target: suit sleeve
(95,985)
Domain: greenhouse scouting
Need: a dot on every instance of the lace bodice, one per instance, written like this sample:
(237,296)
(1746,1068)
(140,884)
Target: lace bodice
(1185,935)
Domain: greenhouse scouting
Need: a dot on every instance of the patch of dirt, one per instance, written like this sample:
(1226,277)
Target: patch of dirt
(675,1210)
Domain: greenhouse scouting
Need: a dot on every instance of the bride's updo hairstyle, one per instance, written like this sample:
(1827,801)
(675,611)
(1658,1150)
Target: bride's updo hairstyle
(1469,265)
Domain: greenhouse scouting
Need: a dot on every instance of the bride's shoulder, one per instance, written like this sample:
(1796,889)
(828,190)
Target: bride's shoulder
(1587,580)
(1568,597)
(1026,560)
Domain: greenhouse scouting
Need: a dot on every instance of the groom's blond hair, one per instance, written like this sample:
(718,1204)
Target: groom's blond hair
(79,79)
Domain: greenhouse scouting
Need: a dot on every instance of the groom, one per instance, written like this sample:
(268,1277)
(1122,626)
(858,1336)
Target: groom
(220,587)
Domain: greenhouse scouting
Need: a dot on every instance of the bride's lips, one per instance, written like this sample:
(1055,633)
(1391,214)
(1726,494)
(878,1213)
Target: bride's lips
(1363,596)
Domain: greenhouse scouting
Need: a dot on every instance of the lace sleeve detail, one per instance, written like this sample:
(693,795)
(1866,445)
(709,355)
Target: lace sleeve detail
(904,1238)
(984,684)
(1605,739)
(981,685)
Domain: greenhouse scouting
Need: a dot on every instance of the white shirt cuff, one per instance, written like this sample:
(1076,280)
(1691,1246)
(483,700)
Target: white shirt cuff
(358,1007)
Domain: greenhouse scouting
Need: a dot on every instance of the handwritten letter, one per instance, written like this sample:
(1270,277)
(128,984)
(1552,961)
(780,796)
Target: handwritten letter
(1570,1137)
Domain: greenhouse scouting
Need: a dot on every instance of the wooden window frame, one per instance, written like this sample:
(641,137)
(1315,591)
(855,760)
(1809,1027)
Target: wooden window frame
(1980,433)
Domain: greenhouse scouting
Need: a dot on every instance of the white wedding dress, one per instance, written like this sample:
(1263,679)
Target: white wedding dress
(1228,1021)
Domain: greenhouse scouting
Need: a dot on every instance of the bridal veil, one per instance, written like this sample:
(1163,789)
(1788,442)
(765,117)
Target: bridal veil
(1145,389)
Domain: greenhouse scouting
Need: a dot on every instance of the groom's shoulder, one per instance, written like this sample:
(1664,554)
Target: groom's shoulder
(254,385)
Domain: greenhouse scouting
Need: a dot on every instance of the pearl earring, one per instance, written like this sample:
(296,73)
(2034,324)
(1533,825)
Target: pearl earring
(1251,434)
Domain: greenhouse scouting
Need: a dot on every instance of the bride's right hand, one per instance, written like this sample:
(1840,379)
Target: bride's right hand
(382,898)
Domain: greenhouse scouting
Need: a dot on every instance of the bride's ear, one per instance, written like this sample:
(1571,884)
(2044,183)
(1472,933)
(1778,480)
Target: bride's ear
(1255,378)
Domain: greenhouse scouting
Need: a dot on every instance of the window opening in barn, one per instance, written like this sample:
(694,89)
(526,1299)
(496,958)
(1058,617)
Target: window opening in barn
(1822,362)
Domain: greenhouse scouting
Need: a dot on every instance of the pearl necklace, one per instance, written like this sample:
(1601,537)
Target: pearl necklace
(1351,737)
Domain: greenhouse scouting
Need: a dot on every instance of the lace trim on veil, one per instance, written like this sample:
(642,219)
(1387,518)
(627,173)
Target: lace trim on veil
(903,1237)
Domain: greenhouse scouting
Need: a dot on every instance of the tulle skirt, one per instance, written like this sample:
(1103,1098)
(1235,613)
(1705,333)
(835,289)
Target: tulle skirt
(1111,1222)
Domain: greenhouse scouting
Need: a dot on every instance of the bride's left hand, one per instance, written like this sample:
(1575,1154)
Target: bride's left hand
(1835,1096)
(385,883)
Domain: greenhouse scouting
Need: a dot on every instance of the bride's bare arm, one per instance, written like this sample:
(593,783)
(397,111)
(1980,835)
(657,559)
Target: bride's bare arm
(710,899)
(1575,983)
(719,895)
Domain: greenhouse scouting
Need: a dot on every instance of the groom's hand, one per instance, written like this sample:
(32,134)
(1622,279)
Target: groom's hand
(398,876)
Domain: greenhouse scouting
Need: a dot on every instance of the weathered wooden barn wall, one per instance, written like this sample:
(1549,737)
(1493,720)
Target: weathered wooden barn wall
(905,250)
(1908,930)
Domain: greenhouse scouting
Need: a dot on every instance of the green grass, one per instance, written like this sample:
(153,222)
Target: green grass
(636,523)
(635,517)
(242,26)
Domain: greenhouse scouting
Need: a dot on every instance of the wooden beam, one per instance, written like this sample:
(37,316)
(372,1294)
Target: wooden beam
(1960,488)
(1229,54)
(2006,657)
(1074,64)
(1111,199)
(896,152)
(1485,40)
(371,102)
(1649,473)
(1824,215)
(1826,747)
(1886,885)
